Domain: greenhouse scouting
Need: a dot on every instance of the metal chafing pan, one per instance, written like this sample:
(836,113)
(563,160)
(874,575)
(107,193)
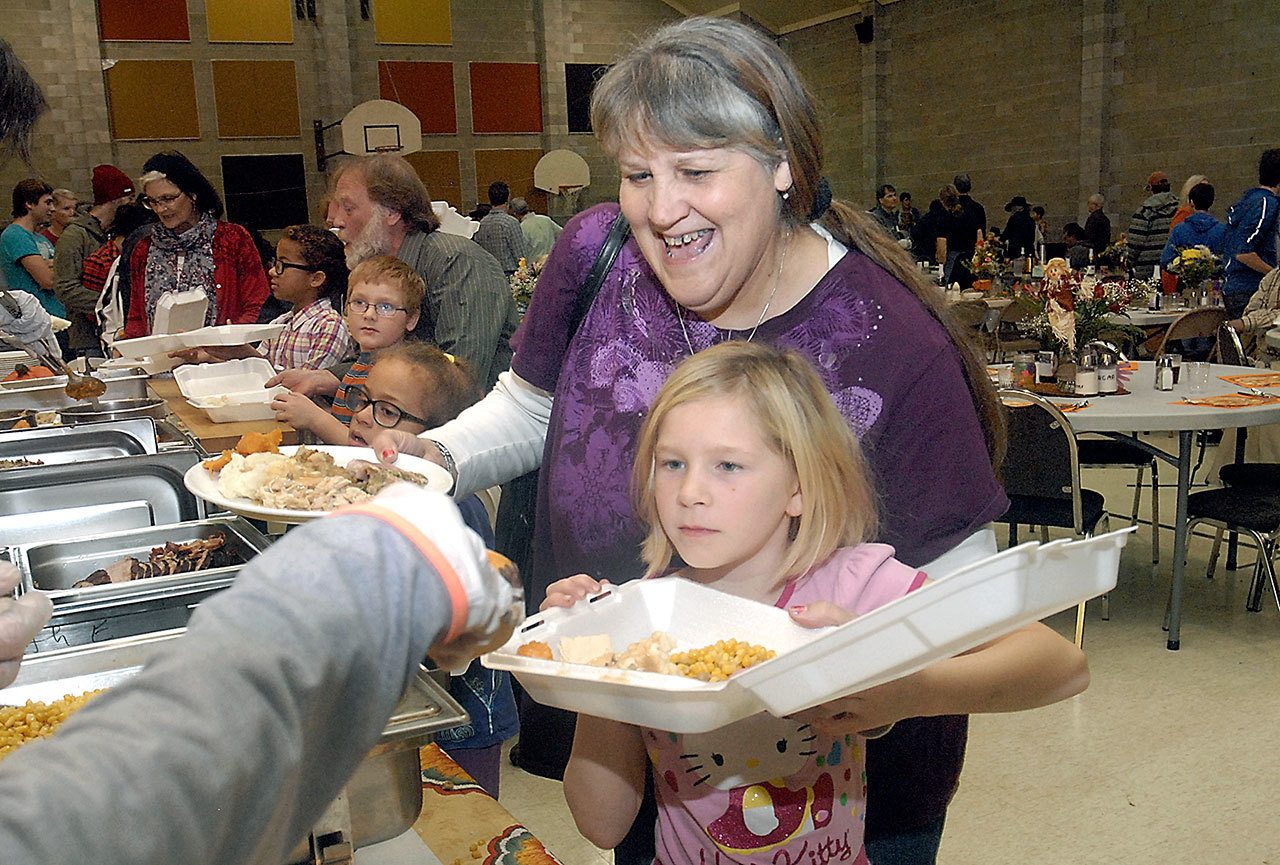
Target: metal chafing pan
(73,444)
(54,568)
(381,800)
(96,410)
(50,393)
(84,621)
(50,501)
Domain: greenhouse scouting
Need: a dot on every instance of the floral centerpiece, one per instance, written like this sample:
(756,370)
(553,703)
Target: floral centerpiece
(1076,309)
(523,281)
(1115,256)
(985,264)
(1193,265)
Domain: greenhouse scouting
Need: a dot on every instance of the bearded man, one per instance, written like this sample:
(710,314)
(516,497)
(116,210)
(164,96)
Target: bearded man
(381,207)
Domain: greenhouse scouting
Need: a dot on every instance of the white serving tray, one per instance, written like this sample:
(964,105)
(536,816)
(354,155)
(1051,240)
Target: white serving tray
(197,381)
(223,334)
(975,604)
(231,391)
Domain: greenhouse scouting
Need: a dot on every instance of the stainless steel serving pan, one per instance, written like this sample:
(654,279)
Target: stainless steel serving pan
(93,411)
(383,797)
(74,444)
(83,621)
(38,498)
(54,568)
(50,393)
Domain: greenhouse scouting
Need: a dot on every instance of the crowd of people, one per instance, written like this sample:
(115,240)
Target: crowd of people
(1163,224)
(762,392)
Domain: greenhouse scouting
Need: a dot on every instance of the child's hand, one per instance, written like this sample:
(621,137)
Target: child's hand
(871,712)
(570,590)
(306,382)
(820,614)
(390,443)
(298,411)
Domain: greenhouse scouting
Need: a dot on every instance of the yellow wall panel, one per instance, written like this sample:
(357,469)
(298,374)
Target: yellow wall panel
(256,98)
(412,22)
(152,99)
(250,20)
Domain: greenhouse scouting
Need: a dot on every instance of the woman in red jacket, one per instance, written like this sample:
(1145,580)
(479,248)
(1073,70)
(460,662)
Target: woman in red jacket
(191,247)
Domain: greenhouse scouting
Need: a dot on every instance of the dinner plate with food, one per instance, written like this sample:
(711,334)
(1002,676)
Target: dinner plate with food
(261,480)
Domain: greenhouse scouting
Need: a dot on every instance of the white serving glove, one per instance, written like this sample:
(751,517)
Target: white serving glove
(488,604)
(25,321)
(20,621)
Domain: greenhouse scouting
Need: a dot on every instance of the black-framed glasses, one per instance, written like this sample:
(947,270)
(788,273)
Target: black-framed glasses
(385,414)
(279,266)
(161,200)
(382,310)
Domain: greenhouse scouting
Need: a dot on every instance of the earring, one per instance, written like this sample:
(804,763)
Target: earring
(786,195)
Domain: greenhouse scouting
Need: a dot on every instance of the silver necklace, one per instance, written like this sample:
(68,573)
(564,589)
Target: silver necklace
(777,281)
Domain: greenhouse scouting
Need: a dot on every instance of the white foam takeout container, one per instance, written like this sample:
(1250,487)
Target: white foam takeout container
(223,334)
(231,391)
(961,610)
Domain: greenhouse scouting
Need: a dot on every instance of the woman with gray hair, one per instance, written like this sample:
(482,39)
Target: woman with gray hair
(191,247)
(734,234)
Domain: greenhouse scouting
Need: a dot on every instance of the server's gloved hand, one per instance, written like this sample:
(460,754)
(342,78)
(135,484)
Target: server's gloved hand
(24,320)
(488,601)
(20,620)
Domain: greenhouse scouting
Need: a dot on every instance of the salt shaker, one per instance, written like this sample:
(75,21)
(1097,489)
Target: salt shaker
(1164,373)
(1086,376)
(1108,374)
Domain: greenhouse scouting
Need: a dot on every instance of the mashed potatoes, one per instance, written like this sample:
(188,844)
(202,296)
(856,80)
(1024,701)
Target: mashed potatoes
(243,476)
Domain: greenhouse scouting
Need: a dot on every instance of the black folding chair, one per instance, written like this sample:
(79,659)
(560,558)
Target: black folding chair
(1041,475)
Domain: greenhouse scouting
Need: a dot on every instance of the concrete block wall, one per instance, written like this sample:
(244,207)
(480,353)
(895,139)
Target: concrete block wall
(57,40)
(829,59)
(1192,99)
(1050,99)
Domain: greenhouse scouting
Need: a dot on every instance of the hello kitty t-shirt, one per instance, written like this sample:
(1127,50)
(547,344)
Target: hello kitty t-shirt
(772,791)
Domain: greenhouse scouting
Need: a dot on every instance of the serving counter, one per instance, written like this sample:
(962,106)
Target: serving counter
(213,437)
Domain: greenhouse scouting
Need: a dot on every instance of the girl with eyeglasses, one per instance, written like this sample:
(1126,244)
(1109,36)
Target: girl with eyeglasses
(382,309)
(309,274)
(414,386)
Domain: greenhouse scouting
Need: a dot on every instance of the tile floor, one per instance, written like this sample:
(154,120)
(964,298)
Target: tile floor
(1168,757)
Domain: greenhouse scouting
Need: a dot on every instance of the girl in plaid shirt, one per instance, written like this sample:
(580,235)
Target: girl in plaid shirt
(309,272)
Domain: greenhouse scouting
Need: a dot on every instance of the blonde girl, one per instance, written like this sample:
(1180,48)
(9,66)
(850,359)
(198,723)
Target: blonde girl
(750,481)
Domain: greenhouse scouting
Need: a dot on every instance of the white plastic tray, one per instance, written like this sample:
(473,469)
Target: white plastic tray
(229,392)
(197,381)
(223,334)
(239,407)
(977,603)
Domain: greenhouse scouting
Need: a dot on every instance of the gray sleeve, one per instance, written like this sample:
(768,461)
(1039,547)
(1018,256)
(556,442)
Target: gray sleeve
(227,748)
(472,301)
(73,248)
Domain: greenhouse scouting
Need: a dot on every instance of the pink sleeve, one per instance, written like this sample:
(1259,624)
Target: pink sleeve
(869,577)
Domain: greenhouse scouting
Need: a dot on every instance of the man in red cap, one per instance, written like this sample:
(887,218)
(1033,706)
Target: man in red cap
(1149,227)
(111,188)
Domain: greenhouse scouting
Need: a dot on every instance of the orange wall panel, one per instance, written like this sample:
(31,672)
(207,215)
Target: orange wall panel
(439,170)
(143,20)
(256,98)
(426,89)
(506,97)
(152,100)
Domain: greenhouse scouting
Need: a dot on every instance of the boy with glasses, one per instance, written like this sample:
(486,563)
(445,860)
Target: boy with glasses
(381,310)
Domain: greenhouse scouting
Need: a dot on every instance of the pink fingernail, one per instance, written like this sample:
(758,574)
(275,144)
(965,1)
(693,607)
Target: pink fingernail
(798,609)
(388,454)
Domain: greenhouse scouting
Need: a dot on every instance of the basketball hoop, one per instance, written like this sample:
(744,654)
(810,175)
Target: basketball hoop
(570,194)
(387,148)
